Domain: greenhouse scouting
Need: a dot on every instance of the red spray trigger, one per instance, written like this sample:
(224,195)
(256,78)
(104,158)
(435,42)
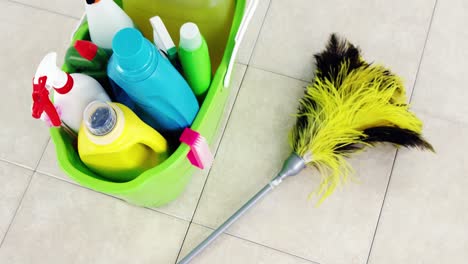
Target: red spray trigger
(42,103)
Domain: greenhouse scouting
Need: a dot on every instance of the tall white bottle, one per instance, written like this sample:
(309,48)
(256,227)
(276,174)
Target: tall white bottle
(72,92)
(105,19)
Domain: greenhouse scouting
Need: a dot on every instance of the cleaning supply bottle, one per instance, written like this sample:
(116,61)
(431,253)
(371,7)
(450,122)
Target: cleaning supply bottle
(116,144)
(105,19)
(163,40)
(72,92)
(163,98)
(195,59)
(87,58)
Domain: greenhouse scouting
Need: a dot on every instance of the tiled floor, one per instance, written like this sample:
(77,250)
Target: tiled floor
(409,207)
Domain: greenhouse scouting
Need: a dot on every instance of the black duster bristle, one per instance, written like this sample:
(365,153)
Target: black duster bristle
(397,136)
(338,51)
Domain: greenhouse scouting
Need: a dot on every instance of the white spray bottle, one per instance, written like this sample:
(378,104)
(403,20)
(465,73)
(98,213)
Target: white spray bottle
(72,93)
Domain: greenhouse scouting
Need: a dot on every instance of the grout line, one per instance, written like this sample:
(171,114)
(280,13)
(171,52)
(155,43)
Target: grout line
(183,242)
(280,74)
(440,117)
(274,249)
(43,9)
(42,156)
(21,200)
(382,206)
(216,153)
(162,212)
(255,47)
(396,153)
(17,209)
(33,169)
(108,195)
(259,31)
(17,164)
(48,174)
(221,137)
(423,51)
(259,244)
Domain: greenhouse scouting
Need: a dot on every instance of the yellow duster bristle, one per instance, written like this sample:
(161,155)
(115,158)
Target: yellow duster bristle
(335,113)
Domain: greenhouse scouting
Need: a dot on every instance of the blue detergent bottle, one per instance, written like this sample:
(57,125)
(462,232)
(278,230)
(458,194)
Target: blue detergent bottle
(161,96)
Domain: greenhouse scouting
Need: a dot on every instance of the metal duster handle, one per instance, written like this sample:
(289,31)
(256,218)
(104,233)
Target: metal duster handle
(292,166)
(226,224)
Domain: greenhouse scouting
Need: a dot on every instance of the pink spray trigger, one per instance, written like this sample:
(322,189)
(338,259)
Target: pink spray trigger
(200,154)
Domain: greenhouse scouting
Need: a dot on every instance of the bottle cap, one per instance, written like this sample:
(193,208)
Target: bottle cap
(100,118)
(190,37)
(86,49)
(130,49)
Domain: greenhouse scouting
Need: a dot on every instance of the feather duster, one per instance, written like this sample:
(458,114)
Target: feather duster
(350,105)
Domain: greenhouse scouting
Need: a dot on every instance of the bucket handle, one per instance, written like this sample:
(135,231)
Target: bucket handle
(248,14)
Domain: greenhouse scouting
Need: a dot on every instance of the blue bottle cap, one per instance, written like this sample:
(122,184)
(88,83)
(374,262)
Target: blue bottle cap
(100,118)
(130,49)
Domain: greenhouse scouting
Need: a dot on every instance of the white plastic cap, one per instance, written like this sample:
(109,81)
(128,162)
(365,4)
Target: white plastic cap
(190,37)
(100,118)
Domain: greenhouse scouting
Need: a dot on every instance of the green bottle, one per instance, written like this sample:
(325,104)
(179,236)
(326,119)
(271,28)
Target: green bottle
(195,59)
(87,58)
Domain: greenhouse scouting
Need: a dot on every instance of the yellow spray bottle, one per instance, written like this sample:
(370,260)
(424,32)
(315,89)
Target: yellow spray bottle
(116,144)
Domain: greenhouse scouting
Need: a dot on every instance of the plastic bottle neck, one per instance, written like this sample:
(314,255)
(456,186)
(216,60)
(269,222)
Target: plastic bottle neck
(104,122)
(134,54)
(64,84)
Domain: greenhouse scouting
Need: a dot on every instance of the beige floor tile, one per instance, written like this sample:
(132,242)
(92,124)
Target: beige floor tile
(231,250)
(442,80)
(73,8)
(425,216)
(250,38)
(59,222)
(389,32)
(253,148)
(13,182)
(49,164)
(22,138)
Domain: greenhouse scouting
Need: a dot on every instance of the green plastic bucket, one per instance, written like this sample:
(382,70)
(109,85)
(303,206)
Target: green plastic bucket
(166,181)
